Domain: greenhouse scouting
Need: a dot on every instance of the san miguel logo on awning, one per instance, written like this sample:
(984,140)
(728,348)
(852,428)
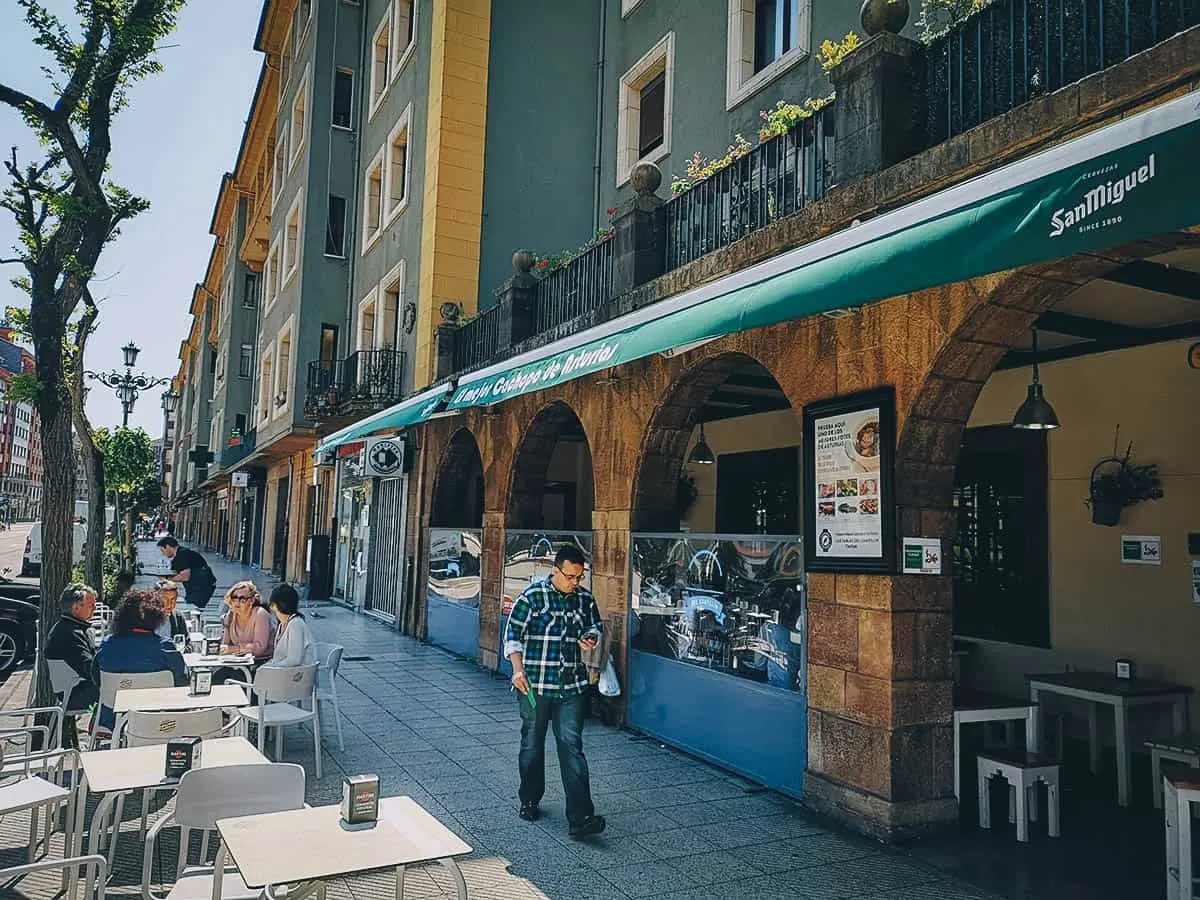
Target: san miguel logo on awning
(1083,216)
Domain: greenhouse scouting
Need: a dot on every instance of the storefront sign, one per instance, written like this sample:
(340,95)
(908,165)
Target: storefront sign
(385,457)
(345,451)
(1141,549)
(240,479)
(849,506)
(922,556)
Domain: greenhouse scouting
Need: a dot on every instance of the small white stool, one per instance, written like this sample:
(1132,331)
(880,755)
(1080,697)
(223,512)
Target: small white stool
(1183,748)
(1181,788)
(1022,771)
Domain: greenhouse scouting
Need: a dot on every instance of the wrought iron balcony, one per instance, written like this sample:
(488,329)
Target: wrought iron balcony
(363,381)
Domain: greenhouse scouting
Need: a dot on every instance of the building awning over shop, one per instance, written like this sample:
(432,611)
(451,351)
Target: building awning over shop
(416,408)
(1135,178)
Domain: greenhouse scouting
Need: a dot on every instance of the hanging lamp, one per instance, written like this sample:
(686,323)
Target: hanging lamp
(702,454)
(1035,414)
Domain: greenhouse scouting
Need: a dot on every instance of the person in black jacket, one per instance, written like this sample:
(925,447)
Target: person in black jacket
(70,642)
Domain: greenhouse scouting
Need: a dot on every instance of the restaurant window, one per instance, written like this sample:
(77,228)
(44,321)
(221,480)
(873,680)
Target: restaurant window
(343,98)
(335,226)
(759,492)
(1000,559)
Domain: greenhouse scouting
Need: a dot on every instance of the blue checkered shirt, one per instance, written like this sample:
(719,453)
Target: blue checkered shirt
(545,626)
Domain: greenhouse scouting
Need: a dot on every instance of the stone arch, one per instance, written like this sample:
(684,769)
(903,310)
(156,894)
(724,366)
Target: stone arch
(458,485)
(669,432)
(531,464)
(1000,310)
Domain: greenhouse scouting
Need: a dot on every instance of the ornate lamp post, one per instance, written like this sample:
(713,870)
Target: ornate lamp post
(127,385)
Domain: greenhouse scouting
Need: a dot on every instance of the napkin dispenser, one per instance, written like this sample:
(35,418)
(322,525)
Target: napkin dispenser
(183,755)
(201,681)
(1126,669)
(360,800)
(212,646)
(213,631)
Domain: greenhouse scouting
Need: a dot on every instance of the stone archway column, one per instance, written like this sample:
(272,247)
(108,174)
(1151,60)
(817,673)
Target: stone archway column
(491,564)
(880,739)
(610,582)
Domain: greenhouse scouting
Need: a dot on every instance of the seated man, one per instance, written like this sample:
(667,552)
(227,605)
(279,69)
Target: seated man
(70,643)
(174,622)
(134,647)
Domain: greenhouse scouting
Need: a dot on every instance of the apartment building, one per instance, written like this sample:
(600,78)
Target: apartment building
(20,440)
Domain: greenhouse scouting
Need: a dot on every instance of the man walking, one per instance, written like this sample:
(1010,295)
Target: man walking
(189,568)
(551,621)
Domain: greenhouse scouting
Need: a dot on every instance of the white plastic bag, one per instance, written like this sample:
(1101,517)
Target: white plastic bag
(609,686)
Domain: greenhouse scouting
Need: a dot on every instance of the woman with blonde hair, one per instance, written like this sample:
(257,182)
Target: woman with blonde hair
(248,629)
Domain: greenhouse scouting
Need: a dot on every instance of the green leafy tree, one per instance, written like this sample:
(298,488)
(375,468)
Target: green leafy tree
(128,465)
(939,16)
(67,211)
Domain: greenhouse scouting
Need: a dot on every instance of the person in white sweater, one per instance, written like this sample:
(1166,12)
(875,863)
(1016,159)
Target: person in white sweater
(293,641)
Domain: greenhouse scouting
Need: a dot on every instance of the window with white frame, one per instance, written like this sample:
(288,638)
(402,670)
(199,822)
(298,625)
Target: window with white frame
(272,274)
(283,366)
(644,108)
(364,332)
(404,34)
(215,438)
(766,38)
(266,381)
(219,374)
(373,202)
(388,315)
(279,175)
(396,169)
(292,237)
(381,62)
(628,6)
(246,361)
(299,130)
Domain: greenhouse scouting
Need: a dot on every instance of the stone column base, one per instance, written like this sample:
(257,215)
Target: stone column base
(884,820)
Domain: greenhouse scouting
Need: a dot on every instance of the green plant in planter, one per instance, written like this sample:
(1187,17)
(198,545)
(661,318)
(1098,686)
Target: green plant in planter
(1118,482)
(686,493)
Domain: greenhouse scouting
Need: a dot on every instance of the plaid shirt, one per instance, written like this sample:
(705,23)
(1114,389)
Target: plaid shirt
(545,626)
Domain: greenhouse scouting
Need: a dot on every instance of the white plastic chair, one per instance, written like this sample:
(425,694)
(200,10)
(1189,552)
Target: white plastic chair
(277,688)
(63,680)
(70,864)
(21,790)
(206,795)
(329,658)
(111,682)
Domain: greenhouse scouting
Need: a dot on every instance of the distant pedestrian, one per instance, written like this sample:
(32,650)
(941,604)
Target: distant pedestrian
(191,569)
(551,621)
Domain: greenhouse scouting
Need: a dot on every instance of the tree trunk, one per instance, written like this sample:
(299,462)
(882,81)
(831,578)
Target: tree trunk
(93,548)
(58,480)
(127,537)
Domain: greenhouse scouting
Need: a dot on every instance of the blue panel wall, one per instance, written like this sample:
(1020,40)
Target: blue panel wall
(756,730)
(453,626)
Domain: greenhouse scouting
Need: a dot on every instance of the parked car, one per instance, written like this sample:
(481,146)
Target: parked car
(18,623)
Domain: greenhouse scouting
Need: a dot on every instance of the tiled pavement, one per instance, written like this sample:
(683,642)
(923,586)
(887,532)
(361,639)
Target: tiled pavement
(445,732)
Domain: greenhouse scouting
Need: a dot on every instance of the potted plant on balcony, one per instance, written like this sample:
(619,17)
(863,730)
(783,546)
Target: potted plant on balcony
(1118,482)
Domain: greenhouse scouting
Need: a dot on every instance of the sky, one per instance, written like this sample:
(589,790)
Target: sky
(171,145)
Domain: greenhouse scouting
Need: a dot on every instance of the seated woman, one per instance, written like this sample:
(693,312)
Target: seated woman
(248,626)
(134,647)
(293,641)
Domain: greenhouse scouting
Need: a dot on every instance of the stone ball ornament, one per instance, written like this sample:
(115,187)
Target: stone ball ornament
(523,260)
(646,178)
(878,16)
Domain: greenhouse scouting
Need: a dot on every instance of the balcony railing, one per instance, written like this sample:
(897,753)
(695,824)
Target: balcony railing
(1013,51)
(363,380)
(582,285)
(234,454)
(478,340)
(775,179)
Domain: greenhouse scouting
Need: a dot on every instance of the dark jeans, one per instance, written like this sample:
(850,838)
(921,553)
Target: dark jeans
(566,715)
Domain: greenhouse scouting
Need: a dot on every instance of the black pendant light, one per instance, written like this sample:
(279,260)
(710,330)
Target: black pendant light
(702,454)
(1035,413)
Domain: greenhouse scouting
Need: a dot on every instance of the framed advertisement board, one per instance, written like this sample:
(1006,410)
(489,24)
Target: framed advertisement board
(849,497)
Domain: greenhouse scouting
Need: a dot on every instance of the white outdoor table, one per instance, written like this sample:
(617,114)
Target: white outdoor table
(319,848)
(174,699)
(1120,693)
(1181,788)
(971,707)
(200,661)
(113,772)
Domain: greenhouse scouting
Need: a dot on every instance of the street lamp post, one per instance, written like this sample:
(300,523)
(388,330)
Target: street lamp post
(127,385)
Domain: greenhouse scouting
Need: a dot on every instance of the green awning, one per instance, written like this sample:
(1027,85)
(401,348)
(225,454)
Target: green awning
(1135,178)
(416,408)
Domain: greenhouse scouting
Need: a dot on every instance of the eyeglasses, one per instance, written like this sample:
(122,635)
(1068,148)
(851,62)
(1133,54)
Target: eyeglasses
(241,598)
(574,578)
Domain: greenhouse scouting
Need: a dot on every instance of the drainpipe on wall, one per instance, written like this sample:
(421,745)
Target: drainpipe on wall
(596,206)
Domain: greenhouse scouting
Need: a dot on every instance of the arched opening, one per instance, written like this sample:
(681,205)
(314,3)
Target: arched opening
(717,619)
(552,487)
(550,504)
(455,542)
(1046,575)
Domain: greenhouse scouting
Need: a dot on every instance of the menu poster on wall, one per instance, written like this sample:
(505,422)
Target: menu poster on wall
(849,444)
